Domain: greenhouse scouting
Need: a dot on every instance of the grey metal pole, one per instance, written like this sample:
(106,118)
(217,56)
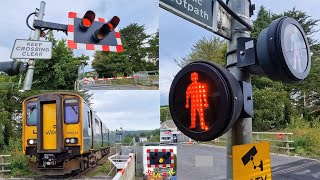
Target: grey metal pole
(241,132)
(32,62)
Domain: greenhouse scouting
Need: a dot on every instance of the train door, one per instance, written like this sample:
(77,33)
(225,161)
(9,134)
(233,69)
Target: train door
(49,128)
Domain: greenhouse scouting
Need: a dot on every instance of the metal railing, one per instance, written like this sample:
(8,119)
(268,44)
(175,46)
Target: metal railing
(125,165)
(147,78)
(279,141)
(3,164)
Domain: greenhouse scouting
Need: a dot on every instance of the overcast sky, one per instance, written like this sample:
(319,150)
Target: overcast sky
(131,110)
(178,35)
(14,13)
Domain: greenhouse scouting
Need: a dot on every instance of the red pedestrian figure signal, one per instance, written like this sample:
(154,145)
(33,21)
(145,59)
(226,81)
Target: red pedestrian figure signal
(205,100)
(197,92)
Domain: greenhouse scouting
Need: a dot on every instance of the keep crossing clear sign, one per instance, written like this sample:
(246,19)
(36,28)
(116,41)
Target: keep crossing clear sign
(251,161)
(29,49)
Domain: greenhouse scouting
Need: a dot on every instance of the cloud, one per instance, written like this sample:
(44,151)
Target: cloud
(132,110)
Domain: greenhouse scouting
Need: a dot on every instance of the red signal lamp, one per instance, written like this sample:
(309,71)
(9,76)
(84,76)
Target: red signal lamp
(106,28)
(87,20)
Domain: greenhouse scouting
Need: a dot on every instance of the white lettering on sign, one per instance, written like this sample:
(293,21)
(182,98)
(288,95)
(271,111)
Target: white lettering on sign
(188,6)
(28,49)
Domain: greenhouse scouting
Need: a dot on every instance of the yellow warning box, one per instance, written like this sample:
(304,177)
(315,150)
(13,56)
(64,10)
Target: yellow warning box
(251,161)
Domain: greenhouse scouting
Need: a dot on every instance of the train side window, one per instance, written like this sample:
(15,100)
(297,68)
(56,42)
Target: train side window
(101,128)
(71,111)
(88,119)
(32,112)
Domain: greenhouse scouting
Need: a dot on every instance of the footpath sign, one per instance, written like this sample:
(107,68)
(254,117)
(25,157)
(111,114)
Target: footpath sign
(205,13)
(30,49)
(251,161)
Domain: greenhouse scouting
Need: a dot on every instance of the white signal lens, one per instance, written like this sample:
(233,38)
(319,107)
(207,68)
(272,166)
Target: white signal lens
(31,141)
(73,141)
(68,140)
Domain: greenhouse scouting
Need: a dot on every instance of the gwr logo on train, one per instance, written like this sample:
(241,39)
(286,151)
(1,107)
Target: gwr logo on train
(51,131)
(63,133)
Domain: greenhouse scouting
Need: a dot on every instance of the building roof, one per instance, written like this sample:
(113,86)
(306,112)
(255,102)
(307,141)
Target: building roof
(169,124)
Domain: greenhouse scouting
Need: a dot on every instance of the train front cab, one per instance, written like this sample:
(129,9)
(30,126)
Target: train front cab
(52,130)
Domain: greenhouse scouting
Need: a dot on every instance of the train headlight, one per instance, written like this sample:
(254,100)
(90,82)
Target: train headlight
(71,140)
(32,141)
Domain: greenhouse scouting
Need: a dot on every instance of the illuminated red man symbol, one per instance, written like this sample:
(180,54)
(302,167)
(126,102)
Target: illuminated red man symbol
(198,93)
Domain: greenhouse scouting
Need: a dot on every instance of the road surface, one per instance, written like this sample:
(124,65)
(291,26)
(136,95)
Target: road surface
(205,162)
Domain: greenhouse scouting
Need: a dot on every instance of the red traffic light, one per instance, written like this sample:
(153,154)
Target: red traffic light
(87,20)
(106,28)
(205,100)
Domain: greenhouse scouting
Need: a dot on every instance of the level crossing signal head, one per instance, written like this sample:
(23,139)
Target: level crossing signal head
(93,33)
(205,100)
(283,51)
(13,68)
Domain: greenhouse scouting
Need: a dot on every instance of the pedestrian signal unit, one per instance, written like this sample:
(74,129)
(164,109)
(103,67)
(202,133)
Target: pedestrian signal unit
(205,100)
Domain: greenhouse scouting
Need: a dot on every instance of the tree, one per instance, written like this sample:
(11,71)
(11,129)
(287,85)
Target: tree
(164,114)
(138,47)
(207,49)
(263,21)
(155,139)
(60,72)
(153,49)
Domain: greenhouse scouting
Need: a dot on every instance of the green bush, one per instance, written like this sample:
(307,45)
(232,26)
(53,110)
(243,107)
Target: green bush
(305,136)
(19,162)
(19,165)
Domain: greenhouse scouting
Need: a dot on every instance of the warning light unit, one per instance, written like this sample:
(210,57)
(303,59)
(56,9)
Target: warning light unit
(92,33)
(205,100)
(160,158)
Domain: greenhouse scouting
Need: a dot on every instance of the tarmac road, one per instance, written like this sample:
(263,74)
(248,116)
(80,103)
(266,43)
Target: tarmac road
(206,162)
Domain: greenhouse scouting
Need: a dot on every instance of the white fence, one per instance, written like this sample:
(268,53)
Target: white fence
(278,140)
(3,164)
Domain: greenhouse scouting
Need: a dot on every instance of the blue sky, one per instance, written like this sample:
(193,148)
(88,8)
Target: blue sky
(178,35)
(14,13)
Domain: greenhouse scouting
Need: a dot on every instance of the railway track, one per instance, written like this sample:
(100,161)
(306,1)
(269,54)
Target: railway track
(80,175)
(92,168)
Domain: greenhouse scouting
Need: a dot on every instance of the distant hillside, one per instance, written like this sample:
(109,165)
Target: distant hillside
(146,133)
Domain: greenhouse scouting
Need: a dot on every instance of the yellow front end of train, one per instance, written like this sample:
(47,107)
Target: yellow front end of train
(62,132)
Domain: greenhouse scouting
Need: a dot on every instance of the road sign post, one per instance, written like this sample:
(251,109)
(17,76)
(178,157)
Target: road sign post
(32,62)
(241,132)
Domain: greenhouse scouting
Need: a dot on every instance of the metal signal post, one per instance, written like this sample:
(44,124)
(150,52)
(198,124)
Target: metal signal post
(32,62)
(241,132)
